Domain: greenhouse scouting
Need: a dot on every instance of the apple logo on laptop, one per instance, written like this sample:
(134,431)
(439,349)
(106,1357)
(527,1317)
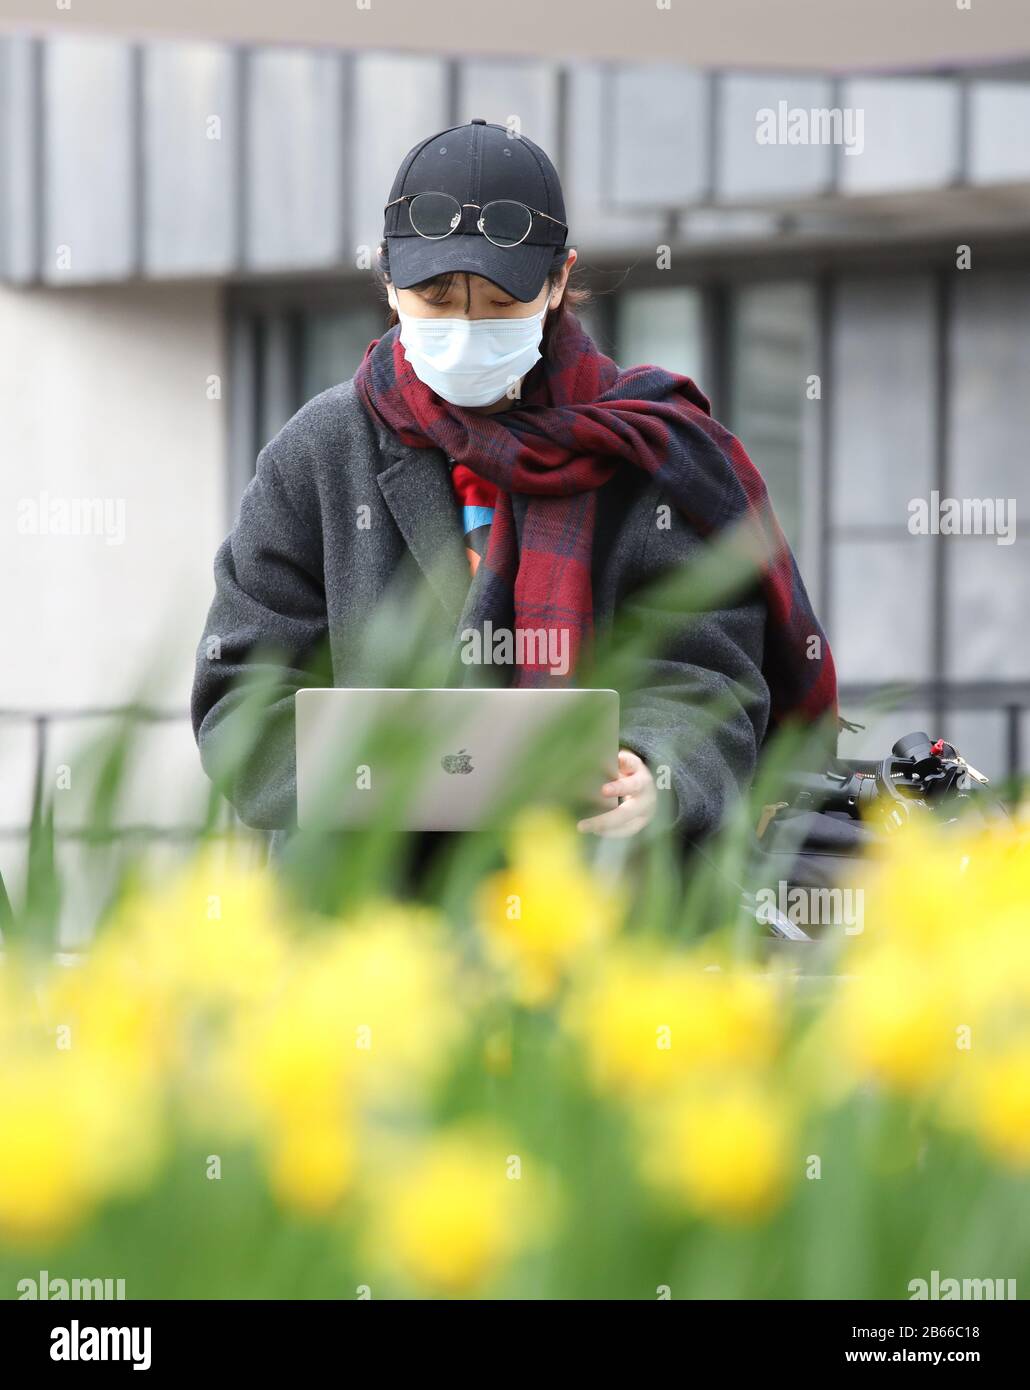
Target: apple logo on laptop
(457,762)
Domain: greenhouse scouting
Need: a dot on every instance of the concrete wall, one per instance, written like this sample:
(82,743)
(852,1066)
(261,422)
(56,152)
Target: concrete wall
(107,428)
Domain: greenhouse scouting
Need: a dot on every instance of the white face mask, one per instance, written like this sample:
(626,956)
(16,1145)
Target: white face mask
(471,361)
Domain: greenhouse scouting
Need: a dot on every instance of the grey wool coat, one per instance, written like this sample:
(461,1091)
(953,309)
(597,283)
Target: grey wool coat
(297,575)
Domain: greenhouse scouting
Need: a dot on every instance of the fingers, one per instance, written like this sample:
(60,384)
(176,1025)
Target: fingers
(636,786)
(633,785)
(626,819)
(633,776)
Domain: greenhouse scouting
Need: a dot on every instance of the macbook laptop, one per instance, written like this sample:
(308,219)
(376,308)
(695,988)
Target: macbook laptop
(446,759)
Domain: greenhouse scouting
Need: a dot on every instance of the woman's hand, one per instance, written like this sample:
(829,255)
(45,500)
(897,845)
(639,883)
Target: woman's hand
(636,809)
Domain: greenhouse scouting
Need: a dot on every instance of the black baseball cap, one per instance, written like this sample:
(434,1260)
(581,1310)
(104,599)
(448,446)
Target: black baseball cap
(476,164)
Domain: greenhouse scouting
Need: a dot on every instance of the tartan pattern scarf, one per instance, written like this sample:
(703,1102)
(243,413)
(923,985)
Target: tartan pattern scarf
(580,418)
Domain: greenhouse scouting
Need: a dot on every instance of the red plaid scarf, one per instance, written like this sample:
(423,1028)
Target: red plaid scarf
(581,417)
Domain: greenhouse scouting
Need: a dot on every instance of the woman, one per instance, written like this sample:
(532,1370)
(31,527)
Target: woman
(486,409)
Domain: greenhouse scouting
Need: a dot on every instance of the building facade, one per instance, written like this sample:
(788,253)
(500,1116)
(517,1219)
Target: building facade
(842,263)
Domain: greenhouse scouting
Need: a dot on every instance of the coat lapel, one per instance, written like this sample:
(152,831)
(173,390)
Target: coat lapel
(416,486)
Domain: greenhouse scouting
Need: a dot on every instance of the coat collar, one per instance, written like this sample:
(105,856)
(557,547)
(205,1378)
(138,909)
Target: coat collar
(416,486)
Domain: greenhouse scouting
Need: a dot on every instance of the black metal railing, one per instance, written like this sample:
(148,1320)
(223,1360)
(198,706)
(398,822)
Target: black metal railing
(1010,699)
(38,725)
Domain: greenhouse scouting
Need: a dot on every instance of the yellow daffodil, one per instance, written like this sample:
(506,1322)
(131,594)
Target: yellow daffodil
(214,932)
(648,1018)
(364,1019)
(896,1022)
(311,1165)
(722,1147)
(945,965)
(369,1008)
(329,1051)
(458,1211)
(1002,1106)
(545,911)
(71,1133)
(394,979)
(110,1009)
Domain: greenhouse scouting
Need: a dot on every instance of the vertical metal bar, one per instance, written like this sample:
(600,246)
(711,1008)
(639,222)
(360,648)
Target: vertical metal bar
(452,94)
(242,422)
(824,292)
(39,171)
(295,366)
(942,317)
(963,131)
(717,346)
(8,104)
(1014,747)
(39,765)
(833,180)
(606,192)
(345,244)
(810,444)
(241,331)
(275,375)
(563,133)
(605,309)
(21,164)
(137,162)
(240,117)
(713,137)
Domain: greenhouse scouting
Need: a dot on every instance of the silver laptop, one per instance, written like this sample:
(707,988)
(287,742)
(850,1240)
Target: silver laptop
(447,759)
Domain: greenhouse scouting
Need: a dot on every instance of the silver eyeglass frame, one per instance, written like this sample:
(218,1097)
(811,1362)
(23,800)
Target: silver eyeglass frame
(457,218)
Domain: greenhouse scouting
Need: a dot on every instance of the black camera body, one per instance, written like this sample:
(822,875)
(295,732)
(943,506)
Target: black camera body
(920,774)
(817,838)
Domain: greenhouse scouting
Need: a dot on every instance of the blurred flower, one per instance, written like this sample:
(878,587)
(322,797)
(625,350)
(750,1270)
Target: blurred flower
(723,1147)
(71,1134)
(326,1050)
(945,964)
(957,898)
(394,975)
(896,1023)
(1001,1105)
(214,932)
(650,1017)
(546,910)
(458,1211)
(365,1019)
(370,1005)
(311,1165)
(113,1011)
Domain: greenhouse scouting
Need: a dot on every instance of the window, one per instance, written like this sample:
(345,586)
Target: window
(663,326)
(772,357)
(987,584)
(882,455)
(333,344)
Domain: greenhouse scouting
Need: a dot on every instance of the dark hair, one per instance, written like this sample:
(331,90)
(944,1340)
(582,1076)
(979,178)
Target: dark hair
(436,289)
